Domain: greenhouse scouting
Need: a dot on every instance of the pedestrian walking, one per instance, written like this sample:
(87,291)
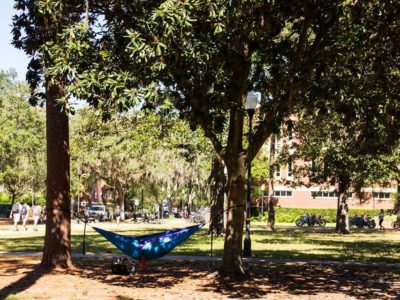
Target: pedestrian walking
(381,217)
(25,214)
(36,213)
(16,214)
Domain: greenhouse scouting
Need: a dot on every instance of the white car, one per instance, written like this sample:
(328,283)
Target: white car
(97,212)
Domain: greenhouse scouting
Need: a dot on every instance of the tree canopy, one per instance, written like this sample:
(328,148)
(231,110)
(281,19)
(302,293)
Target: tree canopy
(204,56)
(139,150)
(22,132)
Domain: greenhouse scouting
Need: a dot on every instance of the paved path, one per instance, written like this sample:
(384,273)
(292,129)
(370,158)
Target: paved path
(217,258)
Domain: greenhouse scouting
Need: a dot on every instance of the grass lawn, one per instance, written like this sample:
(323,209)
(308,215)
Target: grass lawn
(286,242)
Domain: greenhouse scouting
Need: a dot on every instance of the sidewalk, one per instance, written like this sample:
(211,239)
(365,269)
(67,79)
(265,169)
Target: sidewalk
(218,258)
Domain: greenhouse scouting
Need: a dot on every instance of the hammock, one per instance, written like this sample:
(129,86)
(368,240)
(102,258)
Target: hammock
(152,246)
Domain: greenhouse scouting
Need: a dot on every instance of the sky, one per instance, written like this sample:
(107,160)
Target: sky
(10,57)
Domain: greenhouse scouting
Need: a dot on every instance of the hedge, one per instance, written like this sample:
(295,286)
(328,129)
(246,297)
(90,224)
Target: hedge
(290,215)
(6,199)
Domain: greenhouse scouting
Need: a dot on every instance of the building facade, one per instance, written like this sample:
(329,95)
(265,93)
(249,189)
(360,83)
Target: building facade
(296,191)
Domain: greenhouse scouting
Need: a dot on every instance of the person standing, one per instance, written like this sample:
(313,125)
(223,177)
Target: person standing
(25,214)
(381,217)
(36,213)
(16,214)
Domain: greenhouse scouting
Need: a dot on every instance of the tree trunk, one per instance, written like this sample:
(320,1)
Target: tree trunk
(397,203)
(121,197)
(57,245)
(232,263)
(337,213)
(12,203)
(271,209)
(343,208)
(217,183)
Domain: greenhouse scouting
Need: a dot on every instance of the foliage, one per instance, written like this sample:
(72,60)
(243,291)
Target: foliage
(290,215)
(353,131)
(22,132)
(137,151)
(205,56)
(260,169)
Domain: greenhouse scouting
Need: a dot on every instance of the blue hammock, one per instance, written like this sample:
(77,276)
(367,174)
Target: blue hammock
(150,246)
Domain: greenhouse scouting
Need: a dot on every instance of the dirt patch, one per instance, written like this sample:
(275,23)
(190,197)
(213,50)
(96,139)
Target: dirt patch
(21,278)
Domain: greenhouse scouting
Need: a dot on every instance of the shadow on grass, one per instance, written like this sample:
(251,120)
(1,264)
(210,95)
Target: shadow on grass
(363,283)
(31,273)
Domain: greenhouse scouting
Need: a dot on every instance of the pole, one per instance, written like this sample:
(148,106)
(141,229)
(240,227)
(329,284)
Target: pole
(247,239)
(142,200)
(78,208)
(373,204)
(211,251)
(84,238)
(262,205)
(79,183)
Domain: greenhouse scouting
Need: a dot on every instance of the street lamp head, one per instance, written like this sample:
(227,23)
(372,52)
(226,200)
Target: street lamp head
(251,102)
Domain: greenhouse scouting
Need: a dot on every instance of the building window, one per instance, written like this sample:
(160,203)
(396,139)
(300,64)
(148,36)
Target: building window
(278,171)
(326,194)
(381,195)
(283,193)
(290,169)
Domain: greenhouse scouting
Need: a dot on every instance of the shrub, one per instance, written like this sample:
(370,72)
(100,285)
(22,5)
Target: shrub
(4,199)
(290,215)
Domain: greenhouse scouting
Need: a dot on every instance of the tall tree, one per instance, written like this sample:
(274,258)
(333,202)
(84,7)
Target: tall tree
(37,27)
(206,56)
(359,88)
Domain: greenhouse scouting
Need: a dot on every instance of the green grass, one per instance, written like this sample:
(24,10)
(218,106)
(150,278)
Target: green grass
(286,242)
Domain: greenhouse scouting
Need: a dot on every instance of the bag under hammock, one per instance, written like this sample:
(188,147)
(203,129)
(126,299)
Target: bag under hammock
(152,246)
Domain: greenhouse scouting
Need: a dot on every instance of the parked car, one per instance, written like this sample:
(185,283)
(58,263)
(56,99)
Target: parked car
(97,212)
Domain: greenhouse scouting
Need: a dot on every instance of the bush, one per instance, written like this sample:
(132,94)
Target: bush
(4,199)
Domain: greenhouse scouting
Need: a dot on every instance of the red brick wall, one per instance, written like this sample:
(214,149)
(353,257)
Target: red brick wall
(303,199)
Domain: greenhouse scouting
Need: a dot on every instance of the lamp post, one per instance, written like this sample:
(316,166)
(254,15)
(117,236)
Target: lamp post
(79,173)
(262,201)
(251,104)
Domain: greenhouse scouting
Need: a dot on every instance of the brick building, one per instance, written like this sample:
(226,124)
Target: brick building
(291,191)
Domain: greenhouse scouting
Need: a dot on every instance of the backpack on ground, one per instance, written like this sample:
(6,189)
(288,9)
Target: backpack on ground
(15,208)
(24,211)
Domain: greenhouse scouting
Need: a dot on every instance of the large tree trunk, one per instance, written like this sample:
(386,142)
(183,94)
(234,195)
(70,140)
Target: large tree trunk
(271,209)
(217,184)
(232,264)
(57,245)
(343,225)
